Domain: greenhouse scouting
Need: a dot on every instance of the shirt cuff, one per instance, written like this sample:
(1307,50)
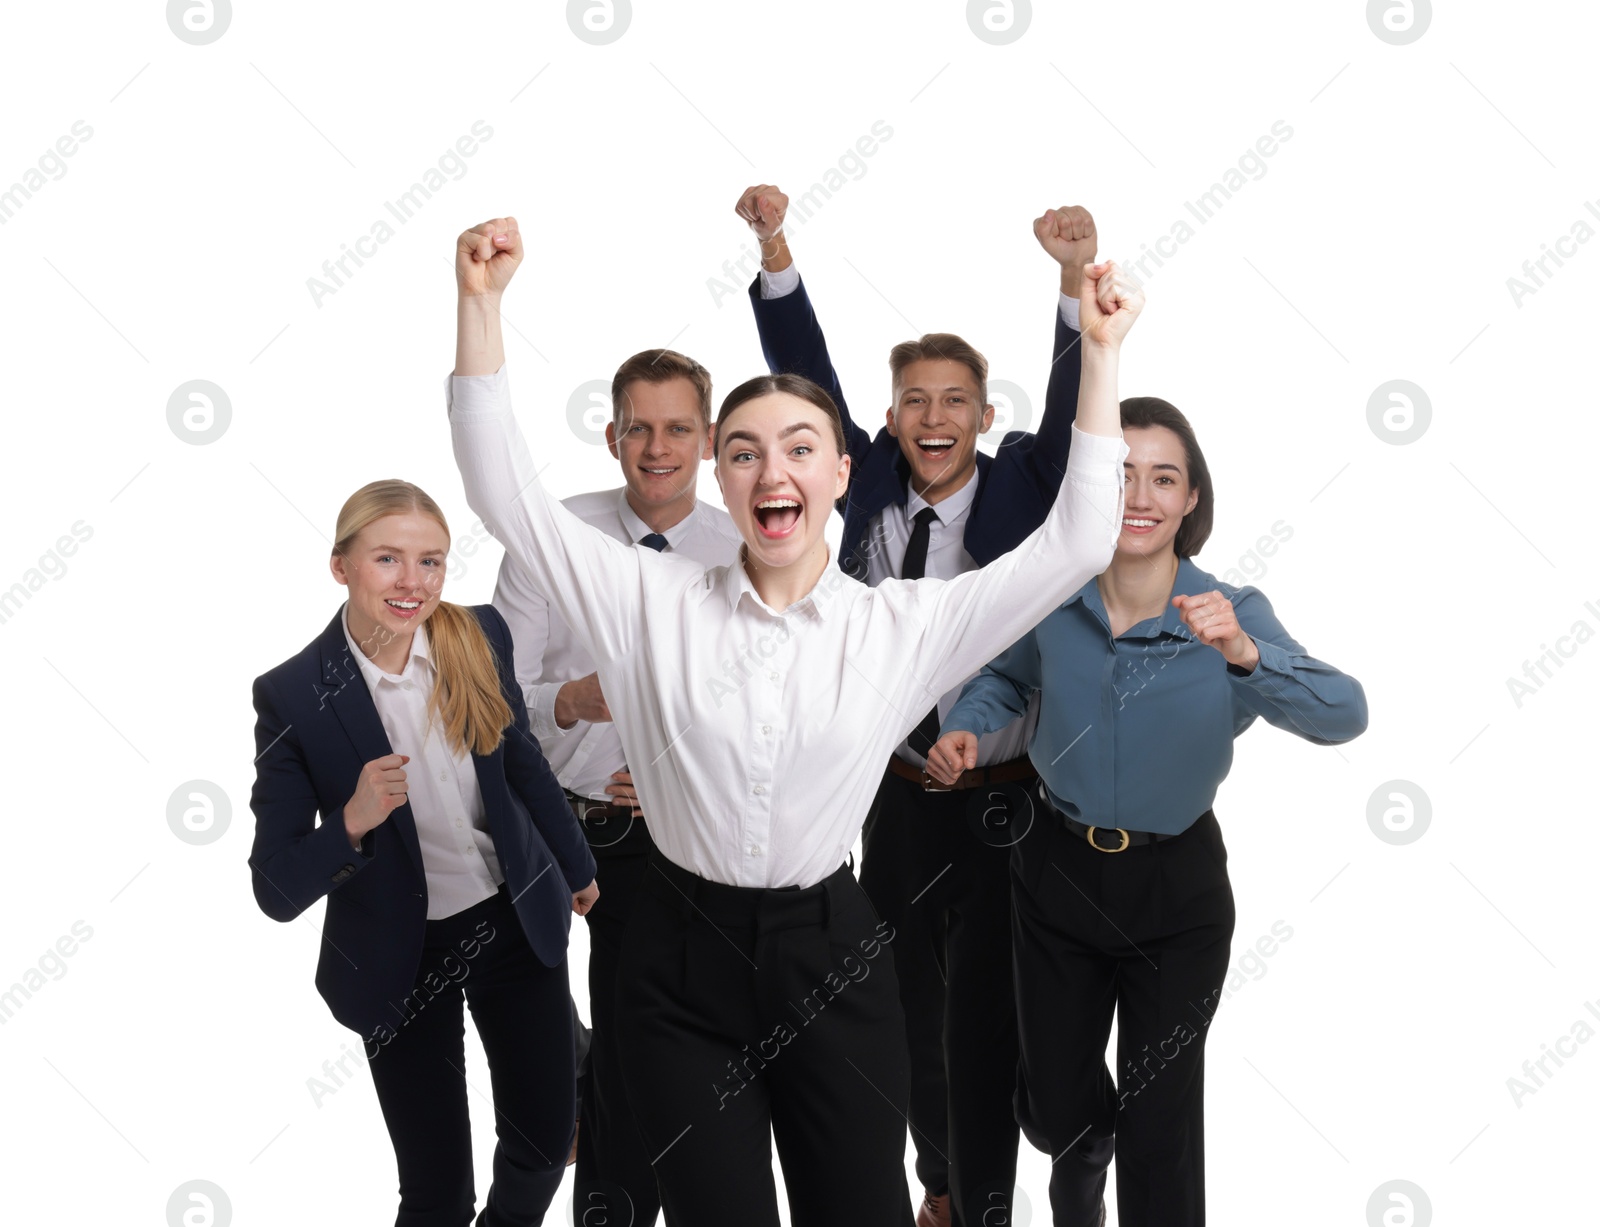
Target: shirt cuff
(477,395)
(1069,313)
(542,711)
(777,285)
(1271,670)
(1096,460)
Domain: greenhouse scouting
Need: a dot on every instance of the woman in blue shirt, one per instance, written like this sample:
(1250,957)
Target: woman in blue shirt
(1120,897)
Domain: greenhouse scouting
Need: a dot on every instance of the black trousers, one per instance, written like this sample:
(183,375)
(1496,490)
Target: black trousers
(523,1013)
(615,1183)
(937,866)
(751,1015)
(1143,933)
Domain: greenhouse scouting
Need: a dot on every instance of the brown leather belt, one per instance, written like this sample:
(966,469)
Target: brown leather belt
(996,773)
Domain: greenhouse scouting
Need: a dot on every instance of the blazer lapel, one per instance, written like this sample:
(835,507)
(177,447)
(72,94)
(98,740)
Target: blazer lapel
(345,691)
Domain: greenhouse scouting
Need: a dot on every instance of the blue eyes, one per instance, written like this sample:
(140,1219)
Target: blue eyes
(387,557)
(804,449)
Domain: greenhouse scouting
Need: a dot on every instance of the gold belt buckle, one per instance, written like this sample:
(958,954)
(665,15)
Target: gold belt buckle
(930,785)
(1089,835)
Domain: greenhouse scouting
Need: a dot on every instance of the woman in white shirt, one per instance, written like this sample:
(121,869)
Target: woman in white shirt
(757,703)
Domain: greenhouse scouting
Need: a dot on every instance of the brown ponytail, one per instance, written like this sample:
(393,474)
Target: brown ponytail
(466,697)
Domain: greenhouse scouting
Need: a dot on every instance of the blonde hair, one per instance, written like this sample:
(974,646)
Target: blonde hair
(466,695)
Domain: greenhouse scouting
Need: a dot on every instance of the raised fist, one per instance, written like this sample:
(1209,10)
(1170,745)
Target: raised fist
(763,207)
(487,256)
(1111,301)
(1068,234)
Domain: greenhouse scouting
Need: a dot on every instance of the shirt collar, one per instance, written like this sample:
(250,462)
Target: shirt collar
(637,529)
(820,600)
(1189,581)
(369,668)
(952,508)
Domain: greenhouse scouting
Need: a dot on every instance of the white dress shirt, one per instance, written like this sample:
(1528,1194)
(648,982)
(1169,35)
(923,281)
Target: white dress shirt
(548,654)
(458,856)
(757,736)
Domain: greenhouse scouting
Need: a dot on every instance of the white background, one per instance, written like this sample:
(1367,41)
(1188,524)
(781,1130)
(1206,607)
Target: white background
(175,1043)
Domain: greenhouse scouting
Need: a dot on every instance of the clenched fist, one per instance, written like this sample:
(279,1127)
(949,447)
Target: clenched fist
(1111,302)
(1210,618)
(763,207)
(952,754)
(487,256)
(1069,236)
(380,790)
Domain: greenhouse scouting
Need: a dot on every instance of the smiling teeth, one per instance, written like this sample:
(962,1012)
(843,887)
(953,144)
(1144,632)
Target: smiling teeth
(660,472)
(777,502)
(405,604)
(1140,523)
(936,442)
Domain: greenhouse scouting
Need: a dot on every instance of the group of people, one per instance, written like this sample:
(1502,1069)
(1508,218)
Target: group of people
(1013,685)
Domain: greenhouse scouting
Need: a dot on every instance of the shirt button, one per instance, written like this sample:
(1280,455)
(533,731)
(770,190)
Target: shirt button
(759,790)
(774,676)
(767,729)
(405,685)
(755,849)
(443,776)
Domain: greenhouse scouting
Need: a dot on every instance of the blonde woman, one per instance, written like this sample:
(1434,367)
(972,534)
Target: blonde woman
(449,857)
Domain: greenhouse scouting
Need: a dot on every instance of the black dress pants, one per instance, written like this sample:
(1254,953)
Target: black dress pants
(615,1183)
(523,1013)
(1143,933)
(749,1016)
(937,866)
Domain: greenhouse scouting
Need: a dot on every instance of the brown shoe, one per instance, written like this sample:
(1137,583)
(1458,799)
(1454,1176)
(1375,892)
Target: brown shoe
(934,1211)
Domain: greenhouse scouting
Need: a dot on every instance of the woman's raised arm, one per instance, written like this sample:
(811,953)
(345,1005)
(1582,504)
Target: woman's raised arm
(593,581)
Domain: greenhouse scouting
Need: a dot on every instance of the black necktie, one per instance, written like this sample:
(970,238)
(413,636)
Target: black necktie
(654,540)
(915,564)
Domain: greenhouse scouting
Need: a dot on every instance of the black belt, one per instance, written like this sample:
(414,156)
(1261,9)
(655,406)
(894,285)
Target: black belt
(1126,839)
(778,907)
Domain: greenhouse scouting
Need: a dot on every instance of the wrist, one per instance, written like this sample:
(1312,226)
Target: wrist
(775,255)
(1071,280)
(562,710)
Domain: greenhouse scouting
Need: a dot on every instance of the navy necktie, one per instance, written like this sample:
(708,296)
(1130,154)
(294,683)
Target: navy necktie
(914,567)
(654,540)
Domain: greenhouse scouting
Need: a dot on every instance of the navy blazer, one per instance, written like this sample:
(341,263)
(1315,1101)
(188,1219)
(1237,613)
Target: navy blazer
(316,727)
(1016,486)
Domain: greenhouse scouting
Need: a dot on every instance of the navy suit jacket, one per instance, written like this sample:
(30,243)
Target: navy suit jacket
(316,727)
(1016,486)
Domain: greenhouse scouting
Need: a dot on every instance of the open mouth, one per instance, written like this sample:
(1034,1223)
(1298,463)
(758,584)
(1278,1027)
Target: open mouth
(1138,525)
(406,609)
(936,447)
(777,517)
(659,472)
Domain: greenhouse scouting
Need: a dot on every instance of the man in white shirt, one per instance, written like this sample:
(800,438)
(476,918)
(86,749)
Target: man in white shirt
(660,432)
(924,502)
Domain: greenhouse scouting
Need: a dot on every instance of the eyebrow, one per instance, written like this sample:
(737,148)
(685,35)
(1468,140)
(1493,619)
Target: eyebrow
(1128,464)
(955,387)
(782,434)
(395,549)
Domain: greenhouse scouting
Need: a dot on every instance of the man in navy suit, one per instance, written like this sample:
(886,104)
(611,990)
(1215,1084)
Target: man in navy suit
(924,501)
(402,940)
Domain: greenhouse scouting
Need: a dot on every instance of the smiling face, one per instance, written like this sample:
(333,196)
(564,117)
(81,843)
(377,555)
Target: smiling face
(395,573)
(660,439)
(780,471)
(937,416)
(1156,492)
